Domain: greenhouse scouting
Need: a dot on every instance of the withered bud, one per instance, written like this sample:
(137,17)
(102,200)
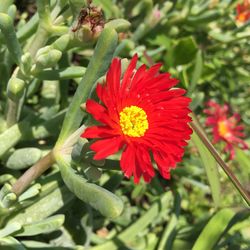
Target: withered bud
(90,20)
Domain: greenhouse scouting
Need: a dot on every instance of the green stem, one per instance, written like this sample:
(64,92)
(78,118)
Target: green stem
(39,40)
(197,128)
(97,67)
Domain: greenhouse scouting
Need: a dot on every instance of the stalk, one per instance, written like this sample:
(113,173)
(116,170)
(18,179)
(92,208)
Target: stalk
(198,129)
(32,173)
(39,40)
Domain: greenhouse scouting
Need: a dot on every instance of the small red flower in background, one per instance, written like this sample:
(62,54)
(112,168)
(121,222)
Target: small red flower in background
(243,12)
(225,128)
(141,115)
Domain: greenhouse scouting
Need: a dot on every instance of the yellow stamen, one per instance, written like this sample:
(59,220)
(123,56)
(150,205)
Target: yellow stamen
(133,121)
(223,129)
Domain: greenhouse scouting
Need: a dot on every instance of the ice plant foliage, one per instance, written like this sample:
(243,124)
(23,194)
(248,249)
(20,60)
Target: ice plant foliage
(243,12)
(225,128)
(141,115)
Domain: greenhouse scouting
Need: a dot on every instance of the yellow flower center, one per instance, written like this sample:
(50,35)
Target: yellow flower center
(133,121)
(242,17)
(223,129)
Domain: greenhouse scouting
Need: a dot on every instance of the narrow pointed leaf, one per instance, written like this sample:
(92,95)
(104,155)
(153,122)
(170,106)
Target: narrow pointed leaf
(214,230)
(210,165)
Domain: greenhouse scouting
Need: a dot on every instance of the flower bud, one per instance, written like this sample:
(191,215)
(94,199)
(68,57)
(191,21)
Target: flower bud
(86,35)
(15,89)
(89,24)
(47,58)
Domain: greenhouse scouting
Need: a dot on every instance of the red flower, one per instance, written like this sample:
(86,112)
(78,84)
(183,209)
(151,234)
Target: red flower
(141,115)
(225,128)
(243,12)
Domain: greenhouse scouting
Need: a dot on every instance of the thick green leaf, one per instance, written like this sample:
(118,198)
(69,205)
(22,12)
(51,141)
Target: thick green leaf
(45,226)
(120,25)
(99,198)
(7,28)
(214,230)
(31,192)
(24,158)
(11,136)
(61,74)
(38,245)
(10,243)
(43,207)
(9,229)
(97,67)
(4,178)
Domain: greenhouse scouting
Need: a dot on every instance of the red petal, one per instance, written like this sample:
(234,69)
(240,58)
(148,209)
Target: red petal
(144,162)
(128,75)
(113,76)
(98,112)
(128,161)
(136,161)
(106,147)
(163,164)
(140,74)
(98,132)
(167,95)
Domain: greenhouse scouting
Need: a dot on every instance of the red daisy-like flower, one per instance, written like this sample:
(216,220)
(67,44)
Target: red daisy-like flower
(243,12)
(141,115)
(225,128)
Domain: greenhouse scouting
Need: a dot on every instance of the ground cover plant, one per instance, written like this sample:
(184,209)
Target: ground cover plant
(124,124)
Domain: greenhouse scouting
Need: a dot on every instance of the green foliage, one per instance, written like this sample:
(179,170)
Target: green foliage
(213,230)
(211,168)
(23,158)
(183,51)
(50,66)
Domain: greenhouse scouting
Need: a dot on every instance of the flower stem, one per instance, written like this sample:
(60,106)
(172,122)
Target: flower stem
(32,173)
(198,129)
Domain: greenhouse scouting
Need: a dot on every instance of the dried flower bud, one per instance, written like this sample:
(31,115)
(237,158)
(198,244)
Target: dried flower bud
(89,24)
